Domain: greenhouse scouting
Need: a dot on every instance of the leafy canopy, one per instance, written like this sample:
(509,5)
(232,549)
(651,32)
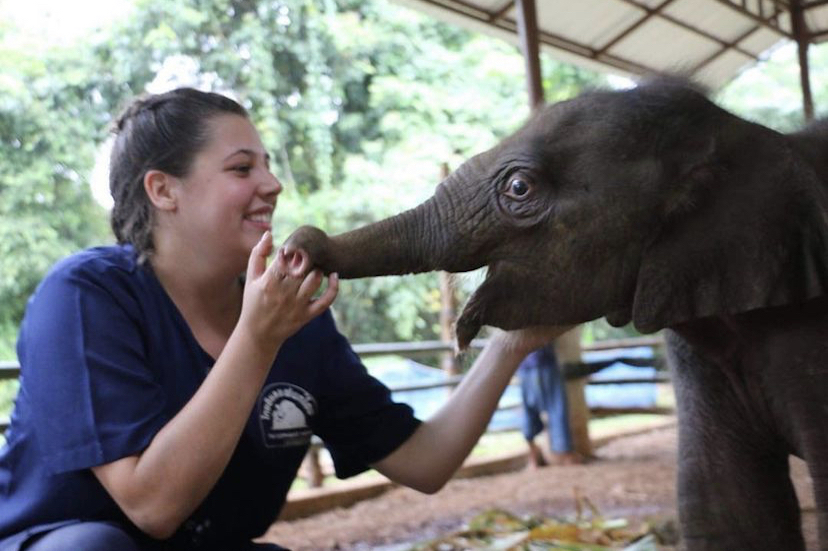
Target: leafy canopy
(359,101)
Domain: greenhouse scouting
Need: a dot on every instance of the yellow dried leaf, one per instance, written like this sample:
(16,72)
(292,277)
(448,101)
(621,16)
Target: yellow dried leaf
(555,531)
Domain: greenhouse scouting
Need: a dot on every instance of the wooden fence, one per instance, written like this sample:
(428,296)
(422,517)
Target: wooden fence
(11,370)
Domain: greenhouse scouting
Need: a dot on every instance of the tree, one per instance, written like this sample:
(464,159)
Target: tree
(770,94)
(49,127)
(360,114)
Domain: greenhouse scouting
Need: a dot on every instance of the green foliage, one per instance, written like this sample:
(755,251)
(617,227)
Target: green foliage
(8,392)
(8,336)
(48,130)
(407,107)
(359,101)
(770,93)
(600,330)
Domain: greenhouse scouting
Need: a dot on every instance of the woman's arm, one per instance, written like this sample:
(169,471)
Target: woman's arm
(429,458)
(159,488)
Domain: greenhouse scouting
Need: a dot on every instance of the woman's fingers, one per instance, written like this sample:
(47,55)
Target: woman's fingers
(279,268)
(290,272)
(530,338)
(279,297)
(310,284)
(257,261)
(326,299)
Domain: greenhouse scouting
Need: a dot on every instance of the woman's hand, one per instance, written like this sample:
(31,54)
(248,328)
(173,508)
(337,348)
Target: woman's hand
(278,299)
(523,341)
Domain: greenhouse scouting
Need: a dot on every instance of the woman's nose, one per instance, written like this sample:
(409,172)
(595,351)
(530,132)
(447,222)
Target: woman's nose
(271,184)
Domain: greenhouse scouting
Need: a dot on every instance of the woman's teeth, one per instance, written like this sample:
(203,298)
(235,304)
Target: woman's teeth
(263,218)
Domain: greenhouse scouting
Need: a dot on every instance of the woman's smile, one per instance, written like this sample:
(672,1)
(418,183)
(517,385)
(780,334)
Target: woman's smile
(261,218)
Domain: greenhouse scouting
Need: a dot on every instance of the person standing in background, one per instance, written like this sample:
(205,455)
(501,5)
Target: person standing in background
(543,391)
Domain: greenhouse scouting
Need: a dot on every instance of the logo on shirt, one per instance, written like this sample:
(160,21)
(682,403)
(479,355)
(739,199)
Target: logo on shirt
(284,414)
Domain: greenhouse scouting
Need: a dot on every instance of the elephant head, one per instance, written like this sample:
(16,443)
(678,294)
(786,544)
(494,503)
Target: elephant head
(650,205)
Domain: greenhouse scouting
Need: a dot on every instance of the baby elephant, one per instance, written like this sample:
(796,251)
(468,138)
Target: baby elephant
(654,206)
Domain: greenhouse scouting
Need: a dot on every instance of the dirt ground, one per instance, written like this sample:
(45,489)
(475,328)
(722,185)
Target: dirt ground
(631,477)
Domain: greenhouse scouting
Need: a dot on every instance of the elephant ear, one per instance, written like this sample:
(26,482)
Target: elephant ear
(752,234)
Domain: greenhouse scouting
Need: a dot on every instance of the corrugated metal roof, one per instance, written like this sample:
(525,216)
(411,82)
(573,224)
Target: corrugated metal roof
(713,40)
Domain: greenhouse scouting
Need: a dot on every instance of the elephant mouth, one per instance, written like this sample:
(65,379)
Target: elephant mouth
(620,317)
(497,302)
(515,296)
(470,322)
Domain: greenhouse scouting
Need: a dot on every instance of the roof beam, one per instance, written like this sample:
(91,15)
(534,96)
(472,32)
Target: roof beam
(612,60)
(726,47)
(802,37)
(528,33)
(504,17)
(501,11)
(648,13)
(778,5)
(658,11)
(461,8)
(770,22)
(503,23)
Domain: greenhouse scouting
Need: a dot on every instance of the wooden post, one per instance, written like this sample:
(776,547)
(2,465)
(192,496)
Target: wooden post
(527,23)
(448,313)
(568,350)
(803,40)
(448,309)
(313,470)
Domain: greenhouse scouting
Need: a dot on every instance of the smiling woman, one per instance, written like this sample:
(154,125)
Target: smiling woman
(164,342)
(175,379)
(222,205)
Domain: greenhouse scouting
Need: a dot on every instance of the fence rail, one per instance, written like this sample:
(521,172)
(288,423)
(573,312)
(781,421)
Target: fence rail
(11,369)
(428,347)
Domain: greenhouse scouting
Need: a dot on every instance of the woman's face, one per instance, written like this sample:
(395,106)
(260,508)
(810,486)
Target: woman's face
(227,200)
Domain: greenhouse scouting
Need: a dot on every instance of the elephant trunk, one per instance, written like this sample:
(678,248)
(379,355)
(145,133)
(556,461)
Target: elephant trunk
(411,242)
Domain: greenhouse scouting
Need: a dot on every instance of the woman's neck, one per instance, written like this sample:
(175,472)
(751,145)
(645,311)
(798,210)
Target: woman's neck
(209,298)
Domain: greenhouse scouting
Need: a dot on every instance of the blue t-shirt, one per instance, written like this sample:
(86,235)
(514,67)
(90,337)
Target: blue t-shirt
(107,359)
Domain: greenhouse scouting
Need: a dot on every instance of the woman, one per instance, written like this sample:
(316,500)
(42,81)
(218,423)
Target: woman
(166,402)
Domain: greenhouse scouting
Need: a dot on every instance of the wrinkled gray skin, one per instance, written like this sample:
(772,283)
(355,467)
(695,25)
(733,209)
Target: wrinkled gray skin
(655,206)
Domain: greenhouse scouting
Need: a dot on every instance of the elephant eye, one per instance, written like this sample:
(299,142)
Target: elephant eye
(518,188)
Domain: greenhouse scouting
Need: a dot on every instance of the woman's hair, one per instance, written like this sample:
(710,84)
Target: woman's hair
(157,132)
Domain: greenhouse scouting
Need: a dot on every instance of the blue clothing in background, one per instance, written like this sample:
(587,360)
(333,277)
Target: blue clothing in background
(107,360)
(543,390)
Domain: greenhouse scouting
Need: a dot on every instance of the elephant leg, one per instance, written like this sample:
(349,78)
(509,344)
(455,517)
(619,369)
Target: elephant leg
(734,500)
(734,489)
(795,371)
(810,422)
(819,476)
